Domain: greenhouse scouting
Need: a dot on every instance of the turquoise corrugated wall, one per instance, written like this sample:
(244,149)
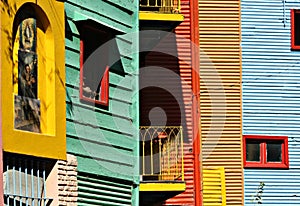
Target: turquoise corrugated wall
(271,95)
(105,140)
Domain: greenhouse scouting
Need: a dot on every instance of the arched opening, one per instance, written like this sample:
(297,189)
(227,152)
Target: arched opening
(34,71)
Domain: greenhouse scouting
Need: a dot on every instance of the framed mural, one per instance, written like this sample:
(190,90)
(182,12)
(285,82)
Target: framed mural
(27,104)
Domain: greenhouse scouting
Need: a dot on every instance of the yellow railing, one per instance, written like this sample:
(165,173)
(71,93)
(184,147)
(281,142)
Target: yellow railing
(162,6)
(161,153)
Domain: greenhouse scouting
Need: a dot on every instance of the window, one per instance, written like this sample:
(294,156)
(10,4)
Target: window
(265,151)
(94,61)
(295,29)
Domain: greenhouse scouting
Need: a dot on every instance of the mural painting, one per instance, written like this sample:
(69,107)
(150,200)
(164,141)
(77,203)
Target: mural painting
(27,104)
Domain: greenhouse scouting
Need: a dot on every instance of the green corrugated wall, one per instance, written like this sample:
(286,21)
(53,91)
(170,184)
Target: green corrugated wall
(105,140)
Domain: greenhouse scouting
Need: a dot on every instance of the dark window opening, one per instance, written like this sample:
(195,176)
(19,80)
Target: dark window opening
(253,151)
(295,29)
(94,65)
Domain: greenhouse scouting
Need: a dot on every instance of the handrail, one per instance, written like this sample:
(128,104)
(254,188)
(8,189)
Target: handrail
(161,6)
(162,153)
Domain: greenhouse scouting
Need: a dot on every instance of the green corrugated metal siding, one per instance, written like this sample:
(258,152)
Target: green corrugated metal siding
(98,190)
(105,140)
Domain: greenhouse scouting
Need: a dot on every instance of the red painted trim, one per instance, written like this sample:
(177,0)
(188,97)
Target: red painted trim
(81,69)
(104,93)
(263,152)
(194,28)
(293,44)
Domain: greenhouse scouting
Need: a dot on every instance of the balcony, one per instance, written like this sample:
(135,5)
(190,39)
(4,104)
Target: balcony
(160,14)
(161,159)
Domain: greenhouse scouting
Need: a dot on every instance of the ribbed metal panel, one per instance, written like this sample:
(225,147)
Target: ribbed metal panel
(214,188)
(98,190)
(182,65)
(220,91)
(271,104)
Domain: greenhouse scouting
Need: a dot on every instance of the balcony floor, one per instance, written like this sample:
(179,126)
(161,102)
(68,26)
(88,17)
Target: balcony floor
(156,192)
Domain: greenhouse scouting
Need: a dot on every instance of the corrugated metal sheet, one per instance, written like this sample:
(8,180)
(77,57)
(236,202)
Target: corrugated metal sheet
(214,187)
(99,190)
(182,67)
(220,91)
(271,104)
(105,139)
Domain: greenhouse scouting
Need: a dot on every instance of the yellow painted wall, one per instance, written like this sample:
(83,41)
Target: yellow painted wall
(51,142)
(220,92)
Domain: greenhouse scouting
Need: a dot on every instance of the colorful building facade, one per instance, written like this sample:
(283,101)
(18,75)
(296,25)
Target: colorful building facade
(169,88)
(220,97)
(271,101)
(102,99)
(33,129)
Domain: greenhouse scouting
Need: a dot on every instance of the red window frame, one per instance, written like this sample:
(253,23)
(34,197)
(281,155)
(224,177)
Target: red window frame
(104,83)
(262,140)
(294,29)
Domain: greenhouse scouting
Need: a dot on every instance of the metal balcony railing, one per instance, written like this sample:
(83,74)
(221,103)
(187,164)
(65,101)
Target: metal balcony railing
(161,153)
(162,6)
(24,181)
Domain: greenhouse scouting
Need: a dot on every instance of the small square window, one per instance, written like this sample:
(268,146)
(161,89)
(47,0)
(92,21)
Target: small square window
(94,69)
(295,29)
(265,151)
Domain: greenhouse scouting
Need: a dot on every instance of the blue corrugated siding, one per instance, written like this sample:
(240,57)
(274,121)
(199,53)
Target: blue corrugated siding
(271,94)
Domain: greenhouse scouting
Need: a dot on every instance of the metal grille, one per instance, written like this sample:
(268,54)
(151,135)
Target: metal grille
(163,6)
(161,153)
(25,181)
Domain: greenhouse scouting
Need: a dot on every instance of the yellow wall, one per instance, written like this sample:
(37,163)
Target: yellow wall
(51,142)
(220,92)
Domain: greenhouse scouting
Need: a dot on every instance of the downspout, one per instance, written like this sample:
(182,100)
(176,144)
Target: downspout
(194,16)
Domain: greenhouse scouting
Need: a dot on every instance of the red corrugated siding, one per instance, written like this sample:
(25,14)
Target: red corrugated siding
(157,97)
(185,69)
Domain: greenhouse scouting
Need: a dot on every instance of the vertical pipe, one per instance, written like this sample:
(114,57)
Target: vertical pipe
(7,180)
(194,15)
(182,164)
(20,182)
(14,181)
(38,182)
(151,154)
(143,153)
(32,184)
(26,182)
(160,156)
(44,183)
(168,150)
(176,152)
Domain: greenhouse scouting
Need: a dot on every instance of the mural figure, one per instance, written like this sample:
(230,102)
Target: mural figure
(27,104)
